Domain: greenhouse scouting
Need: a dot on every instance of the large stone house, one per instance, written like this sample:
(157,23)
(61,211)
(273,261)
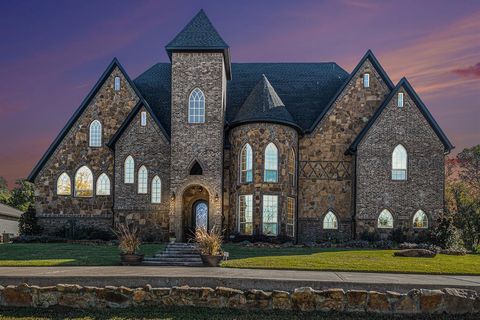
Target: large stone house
(301,151)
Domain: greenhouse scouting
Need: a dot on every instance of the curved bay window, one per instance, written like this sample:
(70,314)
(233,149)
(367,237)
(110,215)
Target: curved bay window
(245,214)
(270,215)
(246,164)
(271,163)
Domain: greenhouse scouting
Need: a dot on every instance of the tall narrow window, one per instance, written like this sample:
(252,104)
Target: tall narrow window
(270,215)
(385,220)
(95,134)
(196,107)
(290,216)
(84,182)
(420,220)
(399,163)
(103,185)
(366,80)
(400,99)
(64,186)
(246,160)
(330,221)
(117,83)
(245,214)
(142,180)
(156,190)
(291,167)
(129,168)
(271,163)
(143,118)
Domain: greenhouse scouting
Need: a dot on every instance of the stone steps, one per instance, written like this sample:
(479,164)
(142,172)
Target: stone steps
(176,254)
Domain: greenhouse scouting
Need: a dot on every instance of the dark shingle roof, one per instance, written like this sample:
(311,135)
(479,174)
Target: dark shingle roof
(263,104)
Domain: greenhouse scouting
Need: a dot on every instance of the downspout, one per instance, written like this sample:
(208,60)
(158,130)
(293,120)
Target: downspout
(297,166)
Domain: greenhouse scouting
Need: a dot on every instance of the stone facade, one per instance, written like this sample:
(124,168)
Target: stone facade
(259,135)
(450,301)
(423,189)
(326,174)
(149,147)
(110,107)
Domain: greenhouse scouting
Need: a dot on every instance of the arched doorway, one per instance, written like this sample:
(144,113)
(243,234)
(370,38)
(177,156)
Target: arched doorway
(195,210)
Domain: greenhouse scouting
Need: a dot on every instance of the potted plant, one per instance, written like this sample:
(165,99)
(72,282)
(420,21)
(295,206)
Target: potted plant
(210,246)
(129,242)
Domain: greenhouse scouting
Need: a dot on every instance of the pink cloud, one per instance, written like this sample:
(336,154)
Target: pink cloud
(469,72)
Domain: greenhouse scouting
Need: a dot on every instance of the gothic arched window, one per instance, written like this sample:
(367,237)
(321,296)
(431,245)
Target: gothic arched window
(271,163)
(129,167)
(246,163)
(103,185)
(385,220)
(330,221)
(142,180)
(156,190)
(64,186)
(420,220)
(95,134)
(399,163)
(196,107)
(84,182)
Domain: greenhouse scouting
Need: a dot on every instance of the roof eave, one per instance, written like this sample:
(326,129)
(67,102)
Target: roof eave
(237,123)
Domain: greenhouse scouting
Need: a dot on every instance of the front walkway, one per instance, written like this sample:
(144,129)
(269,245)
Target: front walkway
(236,278)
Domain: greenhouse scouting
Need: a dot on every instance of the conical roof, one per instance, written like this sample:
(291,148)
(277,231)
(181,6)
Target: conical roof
(263,105)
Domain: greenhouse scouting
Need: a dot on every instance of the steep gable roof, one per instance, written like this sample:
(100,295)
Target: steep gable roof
(367,56)
(423,109)
(200,35)
(263,105)
(114,64)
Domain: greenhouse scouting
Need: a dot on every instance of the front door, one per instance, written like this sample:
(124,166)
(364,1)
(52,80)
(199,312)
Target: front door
(200,214)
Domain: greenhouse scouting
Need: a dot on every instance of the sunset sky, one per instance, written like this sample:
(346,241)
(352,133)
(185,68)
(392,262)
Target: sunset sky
(52,53)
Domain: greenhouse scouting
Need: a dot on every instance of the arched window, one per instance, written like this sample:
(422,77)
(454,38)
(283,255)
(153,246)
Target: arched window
(330,221)
(129,170)
(142,180)
(196,169)
(399,163)
(84,182)
(246,160)
(420,220)
(385,220)
(103,185)
(117,84)
(196,107)
(64,186)
(366,80)
(271,163)
(291,166)
(95,134)
(156,190)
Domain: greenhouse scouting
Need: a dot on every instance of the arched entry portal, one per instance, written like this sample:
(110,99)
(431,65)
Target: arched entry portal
(195,210)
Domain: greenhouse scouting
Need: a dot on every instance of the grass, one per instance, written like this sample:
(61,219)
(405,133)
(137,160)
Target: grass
(186,313)
(64,254)
(347,260)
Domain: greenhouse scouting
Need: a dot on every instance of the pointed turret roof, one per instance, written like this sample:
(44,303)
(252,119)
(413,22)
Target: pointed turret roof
(263,105)
(200,35)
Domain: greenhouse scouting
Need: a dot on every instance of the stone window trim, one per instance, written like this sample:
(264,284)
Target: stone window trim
(94,141)
(389,211)
(279,212)
(240,182)
(74,185)
(202,116)
(407,169)
(142,183)
(252,194)
(421,211)
(324,216)
(125,170)
(264,163)
(64,175)
(192,163)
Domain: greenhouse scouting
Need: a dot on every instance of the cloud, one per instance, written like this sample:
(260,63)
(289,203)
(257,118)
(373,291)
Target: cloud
(469,72)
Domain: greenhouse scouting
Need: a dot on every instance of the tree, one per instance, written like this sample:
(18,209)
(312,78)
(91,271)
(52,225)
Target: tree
(28,223)
(469,162)
(22,196)
(4,192)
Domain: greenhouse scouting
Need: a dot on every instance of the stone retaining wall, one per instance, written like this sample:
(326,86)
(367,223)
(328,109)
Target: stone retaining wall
(451,301)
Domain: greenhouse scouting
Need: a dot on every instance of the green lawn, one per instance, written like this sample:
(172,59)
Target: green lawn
(187,313)
(62,254)
(347,260)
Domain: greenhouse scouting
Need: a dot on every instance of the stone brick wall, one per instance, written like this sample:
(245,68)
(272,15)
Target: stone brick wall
(450,301)
(259,135)
(424,186)
(202,142)
(325,172)
(110,107)
(150,148)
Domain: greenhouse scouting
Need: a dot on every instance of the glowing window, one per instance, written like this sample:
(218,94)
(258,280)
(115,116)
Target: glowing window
(385,220)
(64,186)
(330,221)
(84,182)
(103,185)
(420,220)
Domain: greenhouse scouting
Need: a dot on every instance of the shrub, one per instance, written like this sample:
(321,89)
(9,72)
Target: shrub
(476,249)
(28,223)
(128,237)
(370,236)
(37,238)
(209,243)
(399,235)
(73,232)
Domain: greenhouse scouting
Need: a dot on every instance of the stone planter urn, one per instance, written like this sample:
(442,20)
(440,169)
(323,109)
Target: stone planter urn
(210,260)
(131,259)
